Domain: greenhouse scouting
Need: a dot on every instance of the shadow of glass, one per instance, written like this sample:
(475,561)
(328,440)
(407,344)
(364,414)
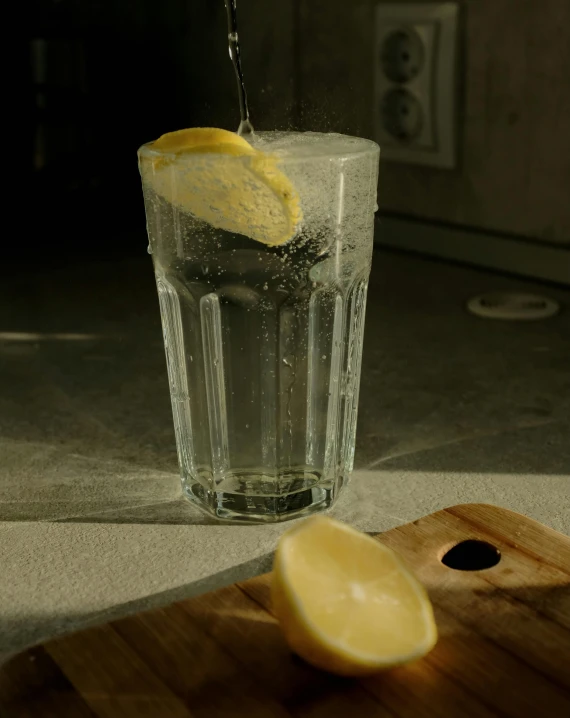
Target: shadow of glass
(178,512)
(47,483)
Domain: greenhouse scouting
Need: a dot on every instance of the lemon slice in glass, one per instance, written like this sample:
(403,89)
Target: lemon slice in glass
(347,603)
(218,177)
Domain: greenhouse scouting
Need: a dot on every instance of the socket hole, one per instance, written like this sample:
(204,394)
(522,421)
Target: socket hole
(402,55)
(472,555)
(401,114)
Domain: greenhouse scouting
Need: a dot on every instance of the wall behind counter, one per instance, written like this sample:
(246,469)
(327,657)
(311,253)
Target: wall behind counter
(514,123)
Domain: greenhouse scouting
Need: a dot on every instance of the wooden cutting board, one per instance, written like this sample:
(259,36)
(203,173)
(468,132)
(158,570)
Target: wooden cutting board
(504,647)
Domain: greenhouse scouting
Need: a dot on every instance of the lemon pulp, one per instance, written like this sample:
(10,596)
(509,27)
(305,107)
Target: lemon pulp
(346,602)
(226,183)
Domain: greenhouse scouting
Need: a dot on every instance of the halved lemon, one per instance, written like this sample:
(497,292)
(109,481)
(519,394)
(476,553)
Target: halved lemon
(346,603)
(228,184)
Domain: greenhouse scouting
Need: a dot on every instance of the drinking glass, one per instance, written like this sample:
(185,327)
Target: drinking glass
(264,342)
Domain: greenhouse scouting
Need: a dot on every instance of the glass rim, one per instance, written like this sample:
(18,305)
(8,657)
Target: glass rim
(363,147)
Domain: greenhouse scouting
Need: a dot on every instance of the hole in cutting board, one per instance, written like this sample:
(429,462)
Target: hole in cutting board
(471,555)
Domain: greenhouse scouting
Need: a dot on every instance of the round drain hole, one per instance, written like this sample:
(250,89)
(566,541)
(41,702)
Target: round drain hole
(517,306)
(471,555)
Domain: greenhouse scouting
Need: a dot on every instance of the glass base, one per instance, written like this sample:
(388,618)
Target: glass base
(260,507)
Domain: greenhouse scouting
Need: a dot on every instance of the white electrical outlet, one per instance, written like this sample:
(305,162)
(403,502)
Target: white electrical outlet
(415,99)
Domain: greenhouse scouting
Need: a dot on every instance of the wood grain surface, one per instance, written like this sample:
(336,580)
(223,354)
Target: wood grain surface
(504,646)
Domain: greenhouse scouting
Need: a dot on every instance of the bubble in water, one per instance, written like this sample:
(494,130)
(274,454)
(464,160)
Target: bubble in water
(265,286)
(149,249)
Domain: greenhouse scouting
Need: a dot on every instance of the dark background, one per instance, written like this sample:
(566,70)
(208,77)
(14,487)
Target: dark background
(97,78)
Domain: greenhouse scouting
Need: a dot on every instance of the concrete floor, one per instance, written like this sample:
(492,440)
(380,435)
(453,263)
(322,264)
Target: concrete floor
(92,523)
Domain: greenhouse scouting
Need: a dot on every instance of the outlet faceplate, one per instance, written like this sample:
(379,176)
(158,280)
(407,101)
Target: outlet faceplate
(415,97)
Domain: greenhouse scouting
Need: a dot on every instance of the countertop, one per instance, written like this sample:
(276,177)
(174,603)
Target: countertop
(453,409)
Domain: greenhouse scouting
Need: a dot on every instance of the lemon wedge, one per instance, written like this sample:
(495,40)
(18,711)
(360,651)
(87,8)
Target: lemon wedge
(346,603)
(226,183)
